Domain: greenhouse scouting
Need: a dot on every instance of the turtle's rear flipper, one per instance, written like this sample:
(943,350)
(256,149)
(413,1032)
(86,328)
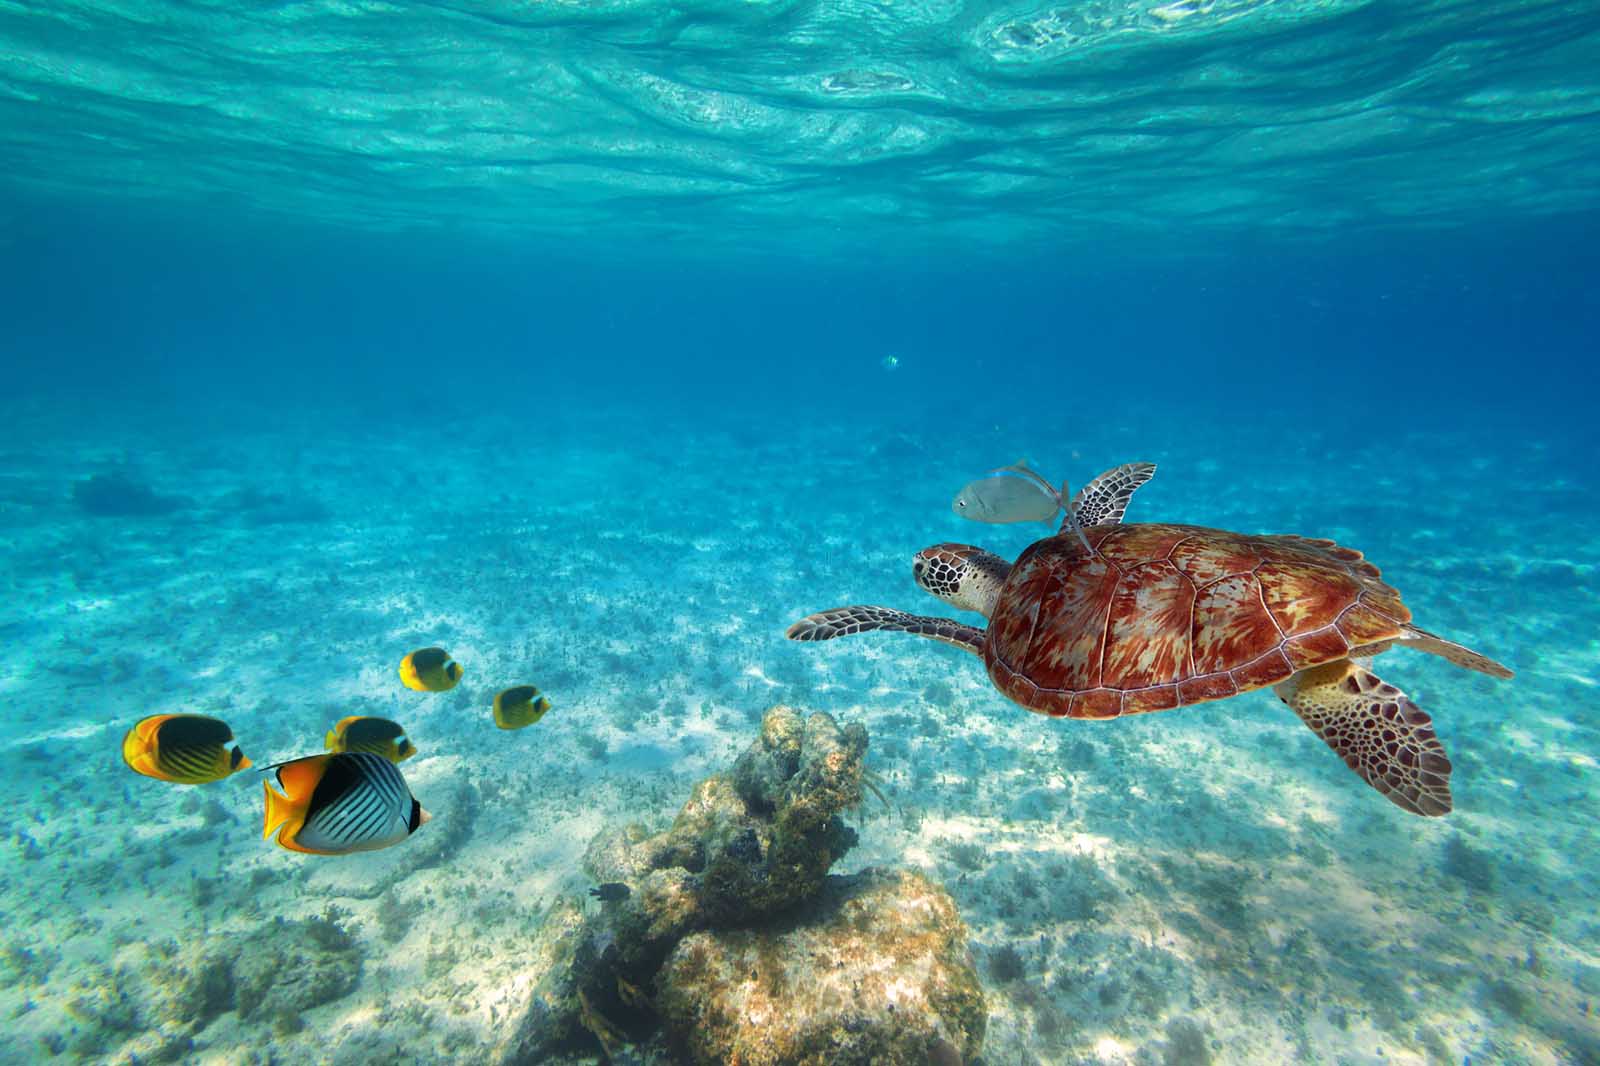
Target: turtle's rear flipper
(1434,644)
(844,621)
(1376,730)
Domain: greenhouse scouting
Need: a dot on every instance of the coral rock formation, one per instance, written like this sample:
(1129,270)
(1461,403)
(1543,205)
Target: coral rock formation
(876,972)
(746,846)
(750,849)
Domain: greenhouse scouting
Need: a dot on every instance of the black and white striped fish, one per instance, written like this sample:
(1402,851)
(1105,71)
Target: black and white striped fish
(339,803)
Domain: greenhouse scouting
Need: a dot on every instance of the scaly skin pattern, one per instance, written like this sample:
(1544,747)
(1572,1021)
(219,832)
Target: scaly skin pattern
(961,575)
(1377,731)
(1167,615)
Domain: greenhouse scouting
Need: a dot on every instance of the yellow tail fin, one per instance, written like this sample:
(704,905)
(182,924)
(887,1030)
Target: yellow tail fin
(279,810)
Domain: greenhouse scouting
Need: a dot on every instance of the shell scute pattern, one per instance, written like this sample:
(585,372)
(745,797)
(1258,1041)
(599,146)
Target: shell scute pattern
(1362,625)
(1302,596)
(1269,669)
(1144,544)
(1318,646)
(1167,615)
(1148,631)
(1207,687)
(1207,559)
(1232,625)
(1056,621)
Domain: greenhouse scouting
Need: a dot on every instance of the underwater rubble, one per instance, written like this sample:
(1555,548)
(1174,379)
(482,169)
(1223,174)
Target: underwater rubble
(119,494)
(271,976)
(724,938)
(876,970)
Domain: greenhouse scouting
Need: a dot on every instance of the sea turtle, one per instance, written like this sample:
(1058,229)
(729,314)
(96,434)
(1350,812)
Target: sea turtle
(1156,616)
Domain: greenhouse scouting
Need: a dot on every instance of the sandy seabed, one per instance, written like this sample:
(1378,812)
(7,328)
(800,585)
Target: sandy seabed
(1205,885)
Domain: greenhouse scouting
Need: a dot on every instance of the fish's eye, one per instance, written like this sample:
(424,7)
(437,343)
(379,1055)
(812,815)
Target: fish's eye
(961,503)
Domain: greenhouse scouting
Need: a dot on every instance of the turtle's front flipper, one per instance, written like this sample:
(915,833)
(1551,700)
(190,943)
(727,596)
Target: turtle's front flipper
(1102,501)
(1376,730)
(1433,644)
(844,621)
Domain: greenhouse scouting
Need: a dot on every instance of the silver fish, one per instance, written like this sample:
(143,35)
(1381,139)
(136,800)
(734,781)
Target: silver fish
(1014,493)
(1017,493)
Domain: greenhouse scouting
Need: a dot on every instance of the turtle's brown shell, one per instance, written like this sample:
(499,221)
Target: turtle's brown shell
(1167,615)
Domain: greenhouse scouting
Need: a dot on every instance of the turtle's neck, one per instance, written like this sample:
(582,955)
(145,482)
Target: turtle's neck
(981,589)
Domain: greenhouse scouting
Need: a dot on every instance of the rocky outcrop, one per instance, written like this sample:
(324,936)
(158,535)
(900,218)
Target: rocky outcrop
(743,872)
(877,972)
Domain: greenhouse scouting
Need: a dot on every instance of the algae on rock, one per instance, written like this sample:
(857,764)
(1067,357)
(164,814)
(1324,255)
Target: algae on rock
(750,850)
(291,966)
(877,972)
(275,972)
(746,846)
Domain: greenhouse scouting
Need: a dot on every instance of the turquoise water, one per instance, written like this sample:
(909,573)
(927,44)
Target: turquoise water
(598,343)
(721,123)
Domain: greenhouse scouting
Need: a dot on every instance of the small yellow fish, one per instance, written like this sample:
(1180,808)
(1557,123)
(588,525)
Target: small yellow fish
(518,707)
(340,803)
(430,670)
(188,749)
(380,736)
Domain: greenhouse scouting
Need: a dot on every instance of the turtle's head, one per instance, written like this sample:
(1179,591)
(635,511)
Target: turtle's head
(963,576)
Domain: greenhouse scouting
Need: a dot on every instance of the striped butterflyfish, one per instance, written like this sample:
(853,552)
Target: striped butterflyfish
(430,670)
(377,735)
(339,803)
(189,749)
(518,707)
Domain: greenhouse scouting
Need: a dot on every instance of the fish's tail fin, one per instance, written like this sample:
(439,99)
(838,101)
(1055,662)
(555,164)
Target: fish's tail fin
(1063,498)
(1065,503)
(278,810)
(1071,520)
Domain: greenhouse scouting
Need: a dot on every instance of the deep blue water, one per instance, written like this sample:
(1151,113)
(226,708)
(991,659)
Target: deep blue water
(601,342)
(1445,330)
